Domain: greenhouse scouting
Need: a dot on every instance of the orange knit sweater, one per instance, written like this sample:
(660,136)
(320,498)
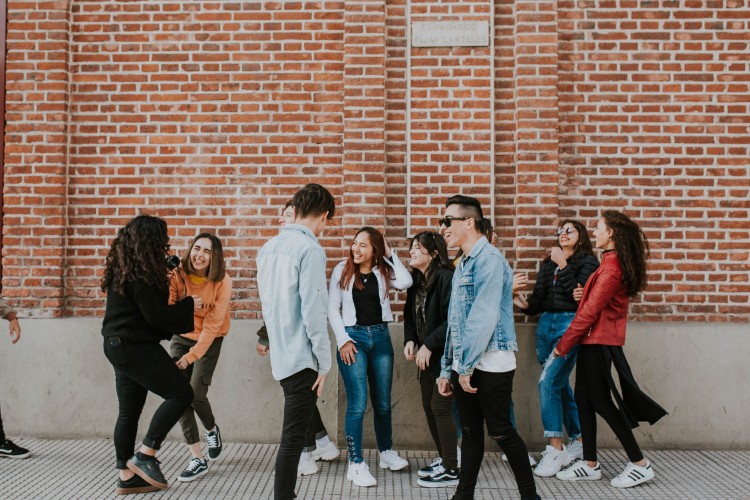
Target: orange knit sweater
(211,320)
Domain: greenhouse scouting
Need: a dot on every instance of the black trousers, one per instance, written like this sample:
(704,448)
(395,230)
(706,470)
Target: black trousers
(490,405)
(594,395)
(439,412)
(141,368)
(2,432)
(297,431)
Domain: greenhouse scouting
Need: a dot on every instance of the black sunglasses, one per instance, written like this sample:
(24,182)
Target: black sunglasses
(566,230)
(446,221)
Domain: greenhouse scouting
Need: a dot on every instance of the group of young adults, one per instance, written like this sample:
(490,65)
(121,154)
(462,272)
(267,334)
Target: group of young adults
(458,329)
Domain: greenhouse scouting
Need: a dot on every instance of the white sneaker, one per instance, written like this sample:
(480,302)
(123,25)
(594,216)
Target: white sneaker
(430,469)
(328,452)
(532,462)
(580,471)
(389,459)
(575,450)
(552,461)
(306,467)
(360,475)
(633,475)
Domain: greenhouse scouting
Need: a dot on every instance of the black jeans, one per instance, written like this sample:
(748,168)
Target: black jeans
(439,412)
(594,395)
(296,433)
(490,405)
(141,368)
(2,432)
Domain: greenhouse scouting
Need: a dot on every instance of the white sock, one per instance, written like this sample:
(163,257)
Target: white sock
(322,442)
(307,456)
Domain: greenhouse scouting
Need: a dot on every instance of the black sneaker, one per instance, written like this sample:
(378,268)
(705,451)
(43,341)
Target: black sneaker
(11,450)
(214,443)
(430,469)
(442,478)
(135,484)
(195,469)
(148,468)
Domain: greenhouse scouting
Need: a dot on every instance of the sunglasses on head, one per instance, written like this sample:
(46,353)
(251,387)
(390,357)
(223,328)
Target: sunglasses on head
(565,230)
(446,221)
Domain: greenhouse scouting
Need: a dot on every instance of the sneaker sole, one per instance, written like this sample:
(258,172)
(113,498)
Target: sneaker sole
(142,489)
(585,478)
(545,474)
(308,472)
(634,483)
(421,474)
(355,483)
(386,466)
(328,457)
(442,484)
(191,478)
(142,474)
(17,457)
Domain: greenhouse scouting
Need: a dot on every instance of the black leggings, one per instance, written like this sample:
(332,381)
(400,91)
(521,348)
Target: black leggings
(141,368)
(594,395)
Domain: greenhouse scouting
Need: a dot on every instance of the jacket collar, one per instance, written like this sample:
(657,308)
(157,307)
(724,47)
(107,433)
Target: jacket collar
(302,229)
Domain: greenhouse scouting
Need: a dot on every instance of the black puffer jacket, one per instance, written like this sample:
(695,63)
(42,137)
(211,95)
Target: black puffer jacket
(558,298)
(436,318)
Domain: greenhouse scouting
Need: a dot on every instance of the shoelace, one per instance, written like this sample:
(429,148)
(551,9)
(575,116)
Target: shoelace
(436,462)
(194,464)
(213,440)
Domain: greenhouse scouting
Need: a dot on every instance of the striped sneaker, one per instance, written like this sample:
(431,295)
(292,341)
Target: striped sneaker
(633,475)
(580,471)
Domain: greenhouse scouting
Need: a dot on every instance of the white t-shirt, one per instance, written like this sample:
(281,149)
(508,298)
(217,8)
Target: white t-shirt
(494,362)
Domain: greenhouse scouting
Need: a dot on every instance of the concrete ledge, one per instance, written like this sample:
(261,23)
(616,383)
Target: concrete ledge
(57,383)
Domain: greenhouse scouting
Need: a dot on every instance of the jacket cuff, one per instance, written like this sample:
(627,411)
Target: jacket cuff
(190,357)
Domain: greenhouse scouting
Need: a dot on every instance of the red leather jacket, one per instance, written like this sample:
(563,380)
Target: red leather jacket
(603,310)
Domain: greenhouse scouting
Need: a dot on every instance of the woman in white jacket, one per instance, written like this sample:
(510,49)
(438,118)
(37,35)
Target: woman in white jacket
(359,311)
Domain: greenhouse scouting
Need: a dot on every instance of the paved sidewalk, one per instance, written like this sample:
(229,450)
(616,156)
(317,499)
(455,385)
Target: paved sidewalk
(85,469)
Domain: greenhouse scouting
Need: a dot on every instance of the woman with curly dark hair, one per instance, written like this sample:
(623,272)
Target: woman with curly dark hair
(598,330)
(137,317)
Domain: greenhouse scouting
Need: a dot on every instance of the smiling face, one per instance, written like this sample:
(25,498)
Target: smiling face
(362,251)
(420,257)
(603,236)
(456,233)
(200,256)
(569,237)
(287,216)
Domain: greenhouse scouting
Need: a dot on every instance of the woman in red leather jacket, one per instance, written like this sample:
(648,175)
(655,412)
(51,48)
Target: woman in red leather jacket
(599,330)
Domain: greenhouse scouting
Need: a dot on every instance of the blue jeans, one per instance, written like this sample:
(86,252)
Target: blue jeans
(373,363)
(555,394)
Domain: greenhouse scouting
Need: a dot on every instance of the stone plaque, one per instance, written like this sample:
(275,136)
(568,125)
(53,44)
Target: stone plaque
(450,34)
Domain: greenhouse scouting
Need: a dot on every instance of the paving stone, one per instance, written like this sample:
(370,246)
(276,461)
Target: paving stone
(62,469)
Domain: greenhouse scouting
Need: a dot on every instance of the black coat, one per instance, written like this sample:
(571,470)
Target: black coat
(142,314)
(436,318)
(559,298)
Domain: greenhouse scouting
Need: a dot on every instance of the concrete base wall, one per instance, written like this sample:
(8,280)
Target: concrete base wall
(56,382)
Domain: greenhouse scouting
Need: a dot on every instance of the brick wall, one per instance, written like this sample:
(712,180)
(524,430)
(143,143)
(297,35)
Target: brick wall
(212,113)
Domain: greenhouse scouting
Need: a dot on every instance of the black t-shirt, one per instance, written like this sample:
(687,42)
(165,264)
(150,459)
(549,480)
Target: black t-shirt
(367,302)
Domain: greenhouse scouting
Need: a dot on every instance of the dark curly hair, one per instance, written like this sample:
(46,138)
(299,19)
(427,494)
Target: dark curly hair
(632,250)
(138,253)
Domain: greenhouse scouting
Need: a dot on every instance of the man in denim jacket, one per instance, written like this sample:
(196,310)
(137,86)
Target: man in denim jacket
(479,361)
(294,298)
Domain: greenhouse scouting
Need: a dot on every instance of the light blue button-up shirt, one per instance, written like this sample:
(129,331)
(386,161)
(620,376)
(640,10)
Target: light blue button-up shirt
(480,316)
(294,298)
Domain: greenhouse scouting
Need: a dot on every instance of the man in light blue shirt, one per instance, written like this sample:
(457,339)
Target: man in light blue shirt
(294,297)
(479,360)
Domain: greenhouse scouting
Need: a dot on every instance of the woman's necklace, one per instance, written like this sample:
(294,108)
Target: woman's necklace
(366,276)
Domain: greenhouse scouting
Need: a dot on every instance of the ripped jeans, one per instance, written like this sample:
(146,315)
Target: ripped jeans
(490,405)
(373,367)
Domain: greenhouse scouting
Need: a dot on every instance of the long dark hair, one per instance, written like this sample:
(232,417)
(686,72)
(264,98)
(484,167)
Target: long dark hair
(435,245)
(138,253)
(216,268)
(351,270)
(632,250)
(583,246)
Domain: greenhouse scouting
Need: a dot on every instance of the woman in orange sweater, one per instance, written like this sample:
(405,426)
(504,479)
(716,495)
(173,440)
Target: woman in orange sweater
(196,353)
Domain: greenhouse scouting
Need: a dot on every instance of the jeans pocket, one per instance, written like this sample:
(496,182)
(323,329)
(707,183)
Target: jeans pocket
(114,350)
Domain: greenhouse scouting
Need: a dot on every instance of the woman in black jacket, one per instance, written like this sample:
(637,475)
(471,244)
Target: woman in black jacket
(425,325)
(137,317)
(569,266)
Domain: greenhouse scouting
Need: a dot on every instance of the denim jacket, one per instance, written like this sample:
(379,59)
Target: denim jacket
(480,317)
(294,298)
